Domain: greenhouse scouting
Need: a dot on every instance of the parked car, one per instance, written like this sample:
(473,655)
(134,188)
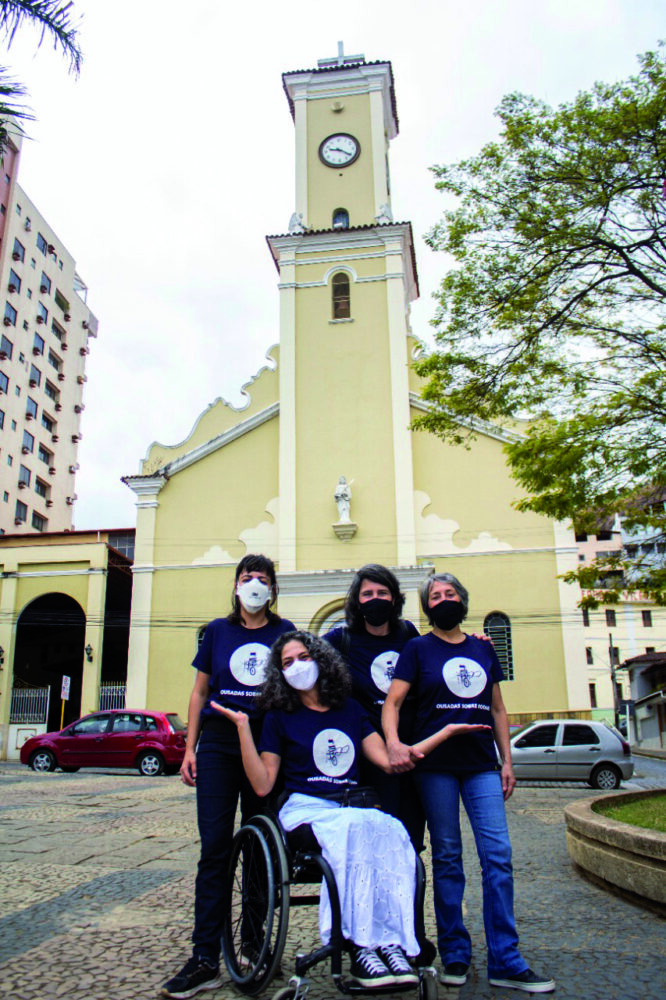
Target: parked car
(572,750)
(153,742)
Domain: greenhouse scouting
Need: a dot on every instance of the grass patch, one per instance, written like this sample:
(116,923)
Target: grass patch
(649,813)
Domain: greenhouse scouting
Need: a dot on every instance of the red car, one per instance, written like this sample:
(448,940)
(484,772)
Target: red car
(153,742)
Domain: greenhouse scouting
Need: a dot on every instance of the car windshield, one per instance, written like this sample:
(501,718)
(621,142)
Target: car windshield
(176,722)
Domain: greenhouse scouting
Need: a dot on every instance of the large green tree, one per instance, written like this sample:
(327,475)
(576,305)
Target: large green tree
(554,309)
(52,19)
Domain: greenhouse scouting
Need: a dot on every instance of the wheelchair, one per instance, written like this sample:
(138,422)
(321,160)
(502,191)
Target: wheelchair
(265,862)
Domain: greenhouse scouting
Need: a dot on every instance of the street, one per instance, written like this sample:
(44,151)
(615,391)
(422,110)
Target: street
(97,877)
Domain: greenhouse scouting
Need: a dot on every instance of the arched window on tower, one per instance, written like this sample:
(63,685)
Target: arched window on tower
(340,296)
(341,218)
(498,627)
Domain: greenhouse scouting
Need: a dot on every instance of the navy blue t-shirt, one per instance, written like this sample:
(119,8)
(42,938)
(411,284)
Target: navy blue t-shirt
(320,751)
(452,682)
(235,658)
(372,660)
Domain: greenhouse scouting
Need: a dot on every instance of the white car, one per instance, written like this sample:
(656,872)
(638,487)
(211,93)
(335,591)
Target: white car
(571,750)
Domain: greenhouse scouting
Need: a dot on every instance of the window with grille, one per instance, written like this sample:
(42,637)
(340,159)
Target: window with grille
(498,627)
(341,296)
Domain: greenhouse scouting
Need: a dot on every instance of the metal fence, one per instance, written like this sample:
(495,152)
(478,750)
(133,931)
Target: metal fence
(111,696)
(29,705)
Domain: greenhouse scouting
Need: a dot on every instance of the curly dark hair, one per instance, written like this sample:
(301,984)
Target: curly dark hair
(377,574)
(333,684)
(252,563)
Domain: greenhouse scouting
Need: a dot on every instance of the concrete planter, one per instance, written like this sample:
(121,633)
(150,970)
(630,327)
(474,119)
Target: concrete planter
(630,857)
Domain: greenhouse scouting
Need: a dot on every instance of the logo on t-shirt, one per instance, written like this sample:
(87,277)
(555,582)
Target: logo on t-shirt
(382,669)
(333,752)
(464,677)
(248,662)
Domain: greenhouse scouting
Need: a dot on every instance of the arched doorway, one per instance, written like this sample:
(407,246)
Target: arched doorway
(50,636)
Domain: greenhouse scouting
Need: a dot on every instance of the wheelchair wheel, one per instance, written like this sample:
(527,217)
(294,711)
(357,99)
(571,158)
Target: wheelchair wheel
(428,985)
(257,911)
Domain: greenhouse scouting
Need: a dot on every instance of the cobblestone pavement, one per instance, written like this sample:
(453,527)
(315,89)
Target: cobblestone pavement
(97,875)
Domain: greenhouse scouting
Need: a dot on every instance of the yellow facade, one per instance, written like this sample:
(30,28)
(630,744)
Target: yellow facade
(338,401)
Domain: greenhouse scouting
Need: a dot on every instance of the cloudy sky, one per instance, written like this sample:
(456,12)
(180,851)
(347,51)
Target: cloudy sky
(166,163)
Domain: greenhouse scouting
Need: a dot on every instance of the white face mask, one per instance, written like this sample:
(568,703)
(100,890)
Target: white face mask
(301,674)
(253,594)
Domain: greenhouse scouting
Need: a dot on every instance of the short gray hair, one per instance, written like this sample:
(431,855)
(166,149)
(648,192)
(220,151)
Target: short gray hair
(424,591)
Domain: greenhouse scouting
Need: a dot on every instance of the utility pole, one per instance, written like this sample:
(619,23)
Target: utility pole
(611,654)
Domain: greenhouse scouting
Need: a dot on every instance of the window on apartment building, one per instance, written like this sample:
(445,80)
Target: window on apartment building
(4,382)
(61,301)
(589,656)
(14,283)
(33,263)
(586,617)
(24,475)
(44,455)
(47,423)
(57,330)
(18,250)
(41,488)
(38,344)
(13,425)
(497,626)
(35,375)
(650,649)
(619,693)
(21,511)
(10,460)
(2,419)
(10,314)
(5,496)
(45,284)
(29,293)
(615,655)
(30,407)
(42,312)
(39,523)
(646,617)
(17,390)
(42,245)
(28,441)
(51,391)
(6,347)
(611,617)
(341,296)
(55,361)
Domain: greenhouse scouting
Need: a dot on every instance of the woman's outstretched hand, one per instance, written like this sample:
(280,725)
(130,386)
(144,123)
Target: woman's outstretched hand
(460,728)
(239,719)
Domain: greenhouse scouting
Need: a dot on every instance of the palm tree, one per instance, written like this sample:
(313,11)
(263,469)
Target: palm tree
(53,19)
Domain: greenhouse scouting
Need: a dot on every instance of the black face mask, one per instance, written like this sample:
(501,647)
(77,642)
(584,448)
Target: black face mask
(377,611)
(447,614)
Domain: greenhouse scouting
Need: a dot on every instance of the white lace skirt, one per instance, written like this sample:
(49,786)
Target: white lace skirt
(374,866)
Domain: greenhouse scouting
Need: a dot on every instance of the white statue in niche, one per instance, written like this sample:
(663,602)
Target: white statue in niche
(343,495)
(296,224)
(385,214)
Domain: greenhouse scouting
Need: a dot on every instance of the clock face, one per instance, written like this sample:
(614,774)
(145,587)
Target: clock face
(339,150)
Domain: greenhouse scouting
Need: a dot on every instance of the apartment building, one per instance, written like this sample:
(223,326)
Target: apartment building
(44,346)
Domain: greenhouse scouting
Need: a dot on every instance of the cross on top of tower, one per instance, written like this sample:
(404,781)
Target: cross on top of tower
(341,59)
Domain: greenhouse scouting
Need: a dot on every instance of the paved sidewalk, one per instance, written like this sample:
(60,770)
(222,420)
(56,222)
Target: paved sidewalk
(97,875)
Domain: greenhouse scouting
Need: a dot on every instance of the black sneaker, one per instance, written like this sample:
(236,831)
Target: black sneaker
(397,962)
(196,975)
(367,969)
(454,974)
(527,981)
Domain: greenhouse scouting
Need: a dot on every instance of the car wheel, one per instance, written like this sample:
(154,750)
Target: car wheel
(150,764)
(69,770)
(606,777)
(43,760)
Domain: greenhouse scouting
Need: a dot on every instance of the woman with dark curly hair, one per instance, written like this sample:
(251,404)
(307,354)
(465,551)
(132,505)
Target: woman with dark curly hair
(317,734)
(371,640)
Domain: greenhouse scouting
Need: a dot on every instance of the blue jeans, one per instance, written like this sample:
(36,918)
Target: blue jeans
(482,797)
(221,782)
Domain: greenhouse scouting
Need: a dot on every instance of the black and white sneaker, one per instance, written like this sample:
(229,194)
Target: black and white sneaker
(397,962)
(527,981)
(454,974)
(367,969)
(197,974)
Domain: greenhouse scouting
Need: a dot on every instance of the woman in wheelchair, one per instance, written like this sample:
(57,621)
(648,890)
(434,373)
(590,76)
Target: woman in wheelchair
(316,733)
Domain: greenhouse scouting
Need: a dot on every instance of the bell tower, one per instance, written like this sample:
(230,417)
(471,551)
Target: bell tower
(347,275)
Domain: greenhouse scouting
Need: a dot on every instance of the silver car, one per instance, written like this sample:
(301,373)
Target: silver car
(572,750)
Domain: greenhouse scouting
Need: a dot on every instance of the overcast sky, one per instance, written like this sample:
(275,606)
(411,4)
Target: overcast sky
(166,163)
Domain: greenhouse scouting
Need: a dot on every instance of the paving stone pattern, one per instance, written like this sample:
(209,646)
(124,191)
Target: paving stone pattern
(96,882)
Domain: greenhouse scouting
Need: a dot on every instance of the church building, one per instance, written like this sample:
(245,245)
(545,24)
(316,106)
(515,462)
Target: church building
(320,469)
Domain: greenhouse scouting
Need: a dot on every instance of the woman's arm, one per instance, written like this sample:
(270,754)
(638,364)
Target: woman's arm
(426,746)
(375,750)
(501,732)
(262,771)
(200,692)
(399,753)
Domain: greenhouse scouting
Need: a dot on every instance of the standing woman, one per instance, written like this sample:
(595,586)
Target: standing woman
(230,669)
(370,642)
(456,679)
